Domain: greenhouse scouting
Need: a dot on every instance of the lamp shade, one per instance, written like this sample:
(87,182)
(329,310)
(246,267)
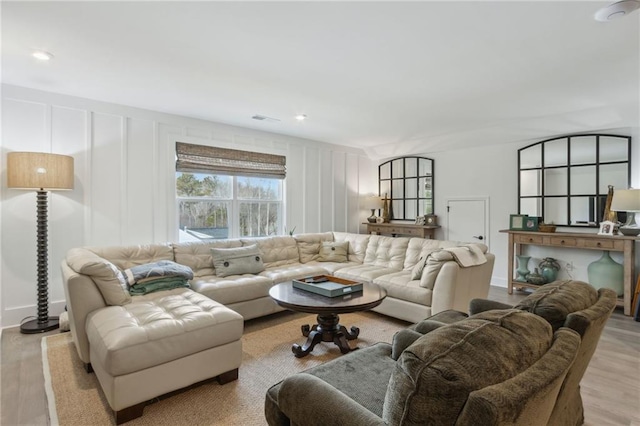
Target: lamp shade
(626,200)
(372,202)
(39,170)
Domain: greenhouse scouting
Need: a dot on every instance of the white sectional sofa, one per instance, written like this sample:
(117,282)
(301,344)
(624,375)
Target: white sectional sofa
(110,327)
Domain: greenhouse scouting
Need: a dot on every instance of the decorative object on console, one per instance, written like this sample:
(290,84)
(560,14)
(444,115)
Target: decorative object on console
(627,200)
(386,214)
(431,219)
(535,278)
(549,268)
(523,268)
(546,227)
(43,172)
(419,221)
(517,222)
(373,203)
(606,273)
(609,215)
(531,223)
(606,228)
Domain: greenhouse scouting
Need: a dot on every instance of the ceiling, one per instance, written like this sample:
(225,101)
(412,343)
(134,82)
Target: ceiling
(393,78)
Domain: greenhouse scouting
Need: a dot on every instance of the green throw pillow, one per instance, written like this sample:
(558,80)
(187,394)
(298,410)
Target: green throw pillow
(333,252)
(237,261)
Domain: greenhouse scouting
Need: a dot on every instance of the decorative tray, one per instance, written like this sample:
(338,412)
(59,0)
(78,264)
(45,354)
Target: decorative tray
(327,285)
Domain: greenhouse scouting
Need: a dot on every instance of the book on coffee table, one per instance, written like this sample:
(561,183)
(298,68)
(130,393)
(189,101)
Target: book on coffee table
(327,285)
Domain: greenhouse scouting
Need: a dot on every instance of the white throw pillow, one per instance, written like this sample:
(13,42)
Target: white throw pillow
(237,261)
(333,252)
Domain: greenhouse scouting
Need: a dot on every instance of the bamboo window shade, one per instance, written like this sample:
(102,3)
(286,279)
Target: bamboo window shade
(209,159)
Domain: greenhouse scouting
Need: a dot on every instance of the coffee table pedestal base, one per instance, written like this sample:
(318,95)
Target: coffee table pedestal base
(328,329)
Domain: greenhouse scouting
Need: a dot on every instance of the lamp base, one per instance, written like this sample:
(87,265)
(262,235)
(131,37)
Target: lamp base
(34,326)
(629,231)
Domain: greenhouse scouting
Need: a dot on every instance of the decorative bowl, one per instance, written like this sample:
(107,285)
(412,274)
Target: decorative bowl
(546,228)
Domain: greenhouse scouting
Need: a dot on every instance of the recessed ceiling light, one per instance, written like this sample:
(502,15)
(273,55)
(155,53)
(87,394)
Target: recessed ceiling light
(42,55)
(616,10)
(301,117)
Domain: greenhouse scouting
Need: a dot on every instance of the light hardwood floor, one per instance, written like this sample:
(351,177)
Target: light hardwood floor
(610,388)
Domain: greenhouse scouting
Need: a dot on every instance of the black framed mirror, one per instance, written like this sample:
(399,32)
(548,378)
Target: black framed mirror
(408,183)
(565,180)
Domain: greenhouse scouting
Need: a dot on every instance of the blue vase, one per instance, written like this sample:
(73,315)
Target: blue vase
(523,268)
(606,273)
(549,268)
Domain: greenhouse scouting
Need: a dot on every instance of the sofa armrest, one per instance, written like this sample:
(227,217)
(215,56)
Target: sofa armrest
(481,305)
(307,399)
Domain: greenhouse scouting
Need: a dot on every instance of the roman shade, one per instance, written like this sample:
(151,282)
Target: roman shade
(209,159)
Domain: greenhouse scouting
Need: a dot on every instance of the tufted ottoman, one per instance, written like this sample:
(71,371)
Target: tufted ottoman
(159,343)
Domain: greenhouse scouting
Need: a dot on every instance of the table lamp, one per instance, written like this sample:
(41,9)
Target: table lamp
(372,202)
(627,200)
(41,172)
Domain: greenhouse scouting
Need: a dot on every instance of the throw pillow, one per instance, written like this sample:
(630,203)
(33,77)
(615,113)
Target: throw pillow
(108,278)
(416,272)
(237,261)
(333,252)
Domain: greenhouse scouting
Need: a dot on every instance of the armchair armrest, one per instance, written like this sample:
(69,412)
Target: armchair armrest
(308,400)
(481,305)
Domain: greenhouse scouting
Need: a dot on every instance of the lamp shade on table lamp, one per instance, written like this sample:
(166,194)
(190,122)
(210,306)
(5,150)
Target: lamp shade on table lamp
(627,200)
(373,203)
(41,172)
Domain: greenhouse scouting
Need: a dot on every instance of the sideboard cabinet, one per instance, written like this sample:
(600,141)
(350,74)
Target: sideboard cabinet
(576,240)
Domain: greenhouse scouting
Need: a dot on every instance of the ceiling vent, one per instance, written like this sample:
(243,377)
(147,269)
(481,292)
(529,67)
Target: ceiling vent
(265,118)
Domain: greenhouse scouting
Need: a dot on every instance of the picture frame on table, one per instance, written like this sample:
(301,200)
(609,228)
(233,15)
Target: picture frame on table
(419,220)
(531,223)
(431,219)
(517,222)
(606,228)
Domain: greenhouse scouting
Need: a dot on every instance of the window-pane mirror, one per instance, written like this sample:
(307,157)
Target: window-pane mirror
(565,180)
(408,183)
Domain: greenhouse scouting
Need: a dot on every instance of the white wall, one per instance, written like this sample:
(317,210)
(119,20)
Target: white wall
(124,183)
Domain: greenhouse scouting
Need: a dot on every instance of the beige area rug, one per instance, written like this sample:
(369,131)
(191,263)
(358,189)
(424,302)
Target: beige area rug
(75,397)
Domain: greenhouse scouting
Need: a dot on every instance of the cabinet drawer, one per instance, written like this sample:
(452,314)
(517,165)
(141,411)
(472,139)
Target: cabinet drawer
(529,239)
(605,244)
(563,241)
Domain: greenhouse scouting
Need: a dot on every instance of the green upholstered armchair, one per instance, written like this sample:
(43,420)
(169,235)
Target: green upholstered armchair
(500,367)
(572,304)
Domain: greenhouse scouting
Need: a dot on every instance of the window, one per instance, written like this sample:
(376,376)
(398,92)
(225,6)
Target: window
(565,180)
(223,193)
(408,183)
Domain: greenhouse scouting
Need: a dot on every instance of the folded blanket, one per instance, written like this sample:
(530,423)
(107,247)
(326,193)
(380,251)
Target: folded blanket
(158,284)
(467,255)
(151,271)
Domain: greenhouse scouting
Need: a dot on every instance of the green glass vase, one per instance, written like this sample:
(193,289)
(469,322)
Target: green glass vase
(523,268)
(606,273)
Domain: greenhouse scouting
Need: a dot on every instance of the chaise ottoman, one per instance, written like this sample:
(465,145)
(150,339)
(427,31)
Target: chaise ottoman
(164,342)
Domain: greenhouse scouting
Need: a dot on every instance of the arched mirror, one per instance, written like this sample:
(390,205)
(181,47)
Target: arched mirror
(408,183)
(565,180)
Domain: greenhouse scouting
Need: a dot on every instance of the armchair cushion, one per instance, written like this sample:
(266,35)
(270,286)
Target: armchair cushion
(402,340)
(477,306)
(556,300)
(434,376)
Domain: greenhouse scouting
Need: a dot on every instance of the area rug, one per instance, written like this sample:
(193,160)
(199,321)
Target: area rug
(75,397)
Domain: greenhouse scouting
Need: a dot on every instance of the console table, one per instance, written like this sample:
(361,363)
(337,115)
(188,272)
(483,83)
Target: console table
(423,231)
(619,243)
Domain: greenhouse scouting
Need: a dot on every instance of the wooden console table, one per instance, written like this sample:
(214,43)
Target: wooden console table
(619,243)
(423,231)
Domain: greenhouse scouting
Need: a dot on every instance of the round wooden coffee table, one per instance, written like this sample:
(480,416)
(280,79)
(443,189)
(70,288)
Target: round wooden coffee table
(328,328)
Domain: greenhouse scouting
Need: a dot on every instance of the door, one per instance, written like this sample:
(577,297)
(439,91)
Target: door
(467,220)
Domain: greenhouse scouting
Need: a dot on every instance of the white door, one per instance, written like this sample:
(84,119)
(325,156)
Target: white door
(467,220)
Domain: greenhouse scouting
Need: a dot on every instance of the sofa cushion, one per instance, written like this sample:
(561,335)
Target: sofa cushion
(399,285)
(158,329)
(125,257)
(434,376)
(233,289)
(197,255)
(108,278)
(289,272)
(309,245)
(357,244)
(237,261)
(387,252)
(333,252)
(556,300)
(363,272)
(276,251)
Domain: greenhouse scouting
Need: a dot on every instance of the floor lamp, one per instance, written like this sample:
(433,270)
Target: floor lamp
(41,172)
